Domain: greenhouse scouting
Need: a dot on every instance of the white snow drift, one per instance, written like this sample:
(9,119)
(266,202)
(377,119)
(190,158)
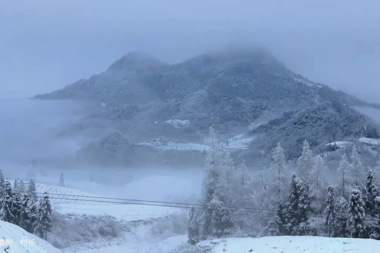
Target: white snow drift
(20,241)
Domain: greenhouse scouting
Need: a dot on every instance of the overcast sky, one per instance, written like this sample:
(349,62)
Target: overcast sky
(45,45)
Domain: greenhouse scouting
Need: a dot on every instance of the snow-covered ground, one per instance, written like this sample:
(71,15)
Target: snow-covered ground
(20,241)
(370,141)
(239,142)
(279,244)
(66,200)
(340,144)
(135,246)
(127,212)
(288,244)
(177,123)
(170,145)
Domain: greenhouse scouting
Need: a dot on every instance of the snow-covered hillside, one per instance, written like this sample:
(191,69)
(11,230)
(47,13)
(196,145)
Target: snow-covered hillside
(168,145)
(20,241)
(239,142)
(288,244)
(370,141)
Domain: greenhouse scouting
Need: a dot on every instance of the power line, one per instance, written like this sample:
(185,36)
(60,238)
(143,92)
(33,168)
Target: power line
(123,201)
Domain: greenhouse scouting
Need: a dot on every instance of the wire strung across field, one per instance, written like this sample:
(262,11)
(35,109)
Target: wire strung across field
(123,201)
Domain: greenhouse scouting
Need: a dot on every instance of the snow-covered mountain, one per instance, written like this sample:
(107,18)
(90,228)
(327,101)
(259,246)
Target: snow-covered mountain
(233,86)
(145,100)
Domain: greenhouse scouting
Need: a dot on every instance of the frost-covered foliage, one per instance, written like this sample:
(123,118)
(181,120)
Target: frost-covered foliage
(345,179)
(320,125)
(6,213)
(112,150)
(68,230)
(32,193)
(356,215)
(277,183)
(330,213)
(357,169)
(370,194)
(299,207)
(213,218)
(305,162)
(173,224)
(318,183)
(29,215)
(44,221)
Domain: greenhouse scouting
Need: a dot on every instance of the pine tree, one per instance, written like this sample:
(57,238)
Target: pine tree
(44,222)
(193,227)
(299,207)
(330,213)
(15,186)
(221,219)
(376,174)
(370,194)
(278,185)
(61,181)
(356,215)
(305,162)
(32,191)
(16,209)
(345,177)
(279,225)
(214,188)
(21,188)
(2,186)
(318,183)
(26,220)
(357,168)
(6,205)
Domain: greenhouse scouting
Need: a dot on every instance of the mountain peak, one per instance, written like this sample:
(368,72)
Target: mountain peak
(135,60)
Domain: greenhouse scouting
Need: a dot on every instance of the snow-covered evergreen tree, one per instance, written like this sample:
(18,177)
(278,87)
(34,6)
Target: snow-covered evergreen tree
(61,181)
(305,162)
(318,183)
(44,222)
(21,188)
(370,194)
(16,209)
(2,185)
(357,169)
(215,189)
(193,226)
(26,220)
(345,176)
(299,207)
(330,213)
(277,187)
(32,193)
(376,174)
(221,219)
(356,215)
(7,205)
(15,185)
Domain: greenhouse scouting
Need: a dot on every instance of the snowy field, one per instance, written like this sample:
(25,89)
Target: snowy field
(66,200)
(239,142)
(370,141)
(280,244)
(21,241)
(288,244)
